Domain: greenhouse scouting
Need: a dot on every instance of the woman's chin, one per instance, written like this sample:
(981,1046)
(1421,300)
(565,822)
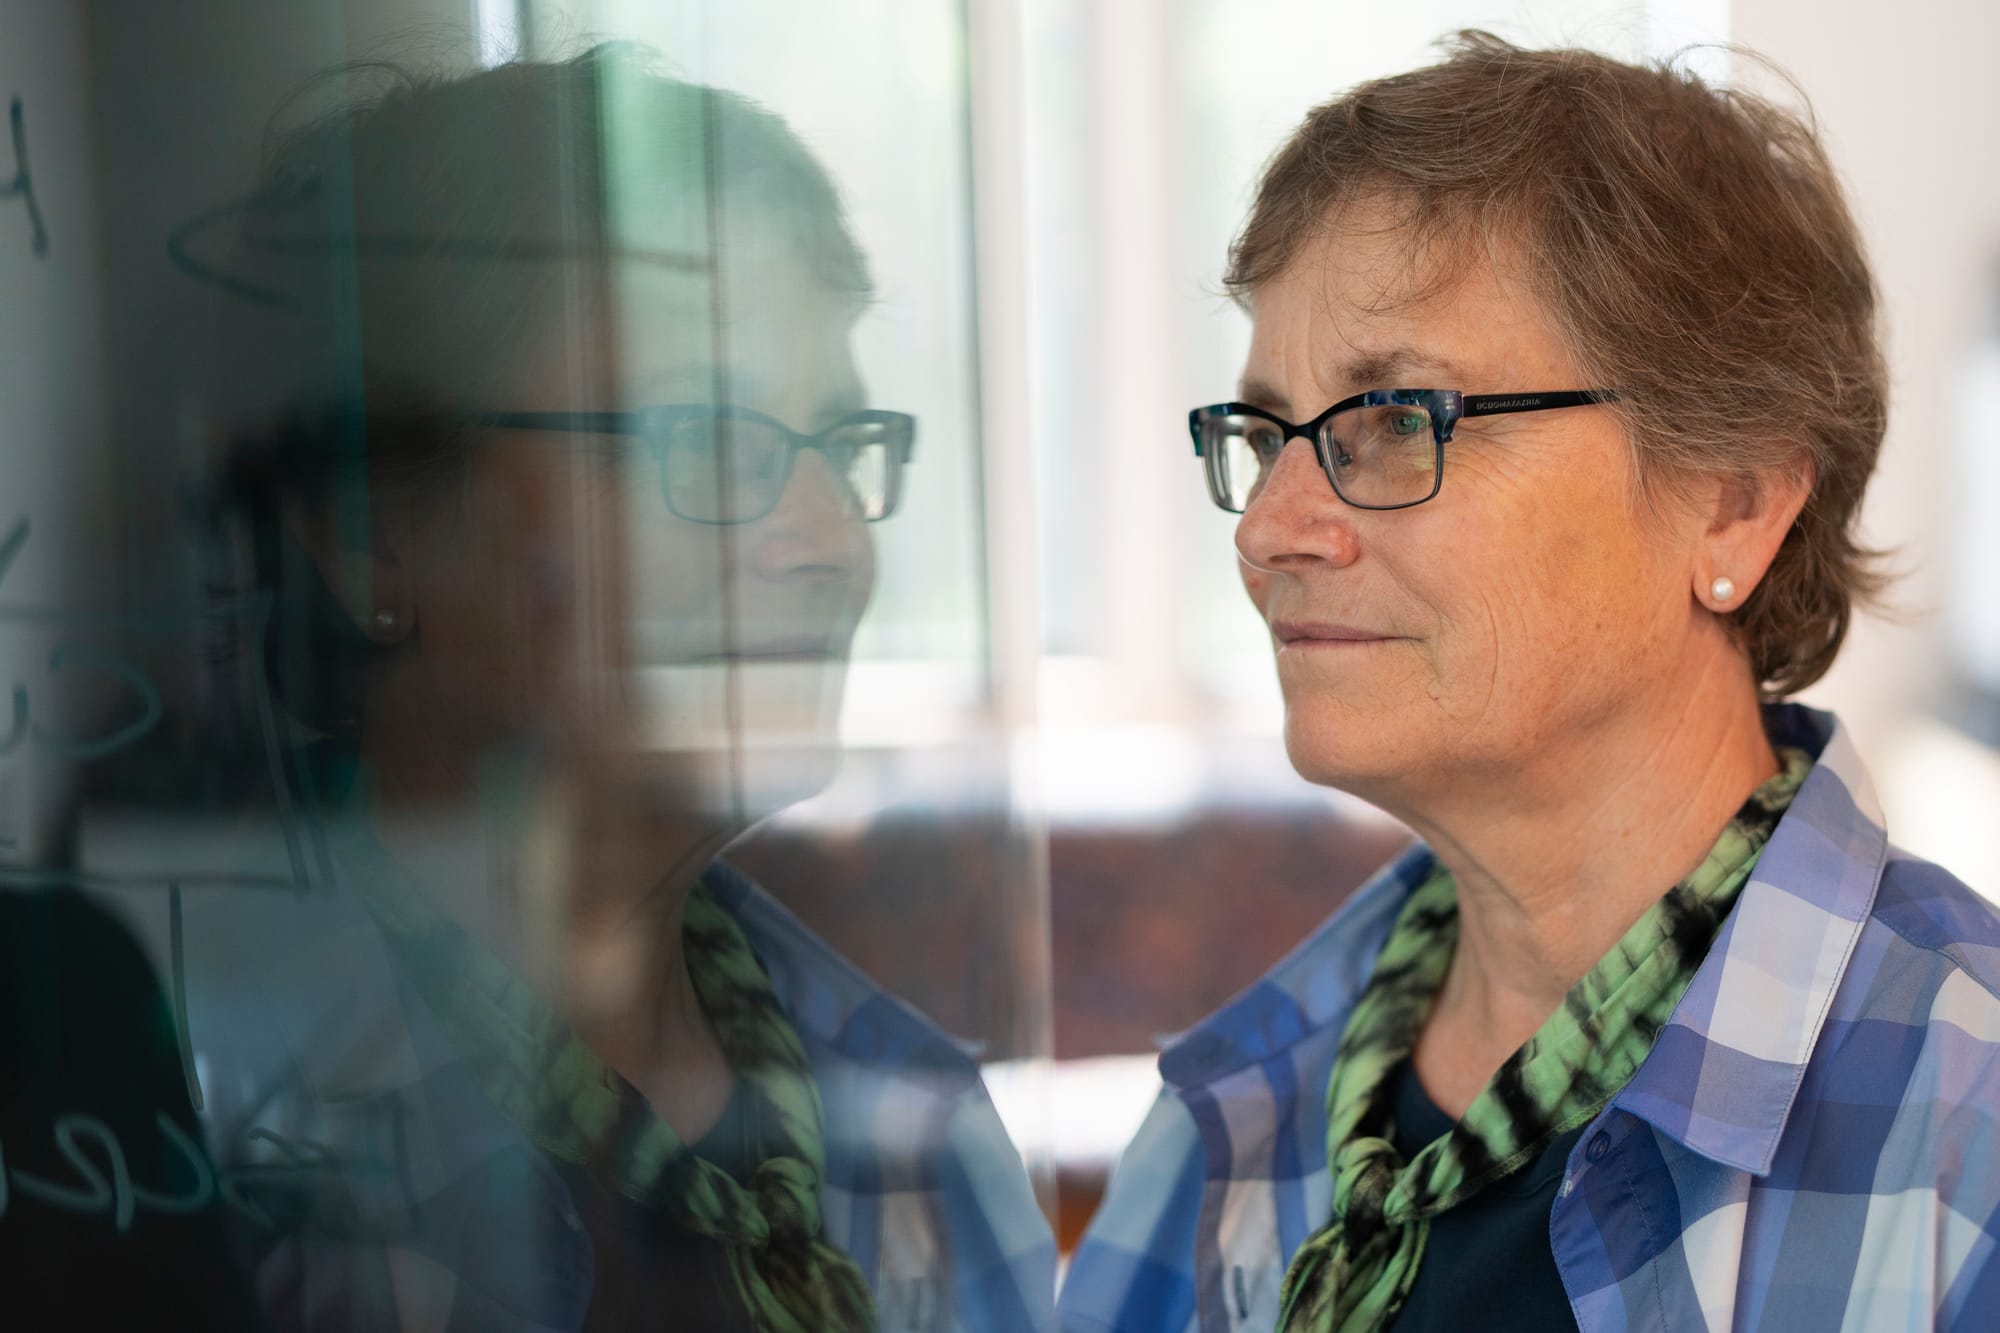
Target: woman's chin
(1345,748)
(713,782)
(770,778)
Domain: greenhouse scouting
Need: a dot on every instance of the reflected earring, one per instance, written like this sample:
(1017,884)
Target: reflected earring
(386,622)
(1723,590)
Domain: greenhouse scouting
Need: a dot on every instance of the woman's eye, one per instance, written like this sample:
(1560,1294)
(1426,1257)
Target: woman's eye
(766,464)
(1268,444)
(1408,423)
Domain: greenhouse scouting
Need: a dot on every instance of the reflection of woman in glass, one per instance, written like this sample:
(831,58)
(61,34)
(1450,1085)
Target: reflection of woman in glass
(559,469)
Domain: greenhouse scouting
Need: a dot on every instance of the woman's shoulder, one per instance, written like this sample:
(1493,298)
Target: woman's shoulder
(1916,1016)
(1901,1100)
(1931,911)
(1924,975)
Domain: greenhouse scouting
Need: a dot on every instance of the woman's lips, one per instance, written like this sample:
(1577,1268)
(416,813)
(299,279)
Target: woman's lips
(1305,634)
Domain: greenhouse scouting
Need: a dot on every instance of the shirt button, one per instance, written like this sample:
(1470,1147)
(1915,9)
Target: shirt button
(1600,1144)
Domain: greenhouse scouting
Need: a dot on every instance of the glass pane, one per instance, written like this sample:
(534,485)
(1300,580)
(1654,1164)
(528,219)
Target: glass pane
(506,876)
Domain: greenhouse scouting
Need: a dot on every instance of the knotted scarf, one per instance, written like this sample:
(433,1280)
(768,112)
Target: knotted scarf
(1353,1275)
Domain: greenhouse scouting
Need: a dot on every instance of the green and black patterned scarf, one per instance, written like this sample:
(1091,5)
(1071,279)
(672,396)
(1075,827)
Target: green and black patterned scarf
(555,1089)
(1354,1274)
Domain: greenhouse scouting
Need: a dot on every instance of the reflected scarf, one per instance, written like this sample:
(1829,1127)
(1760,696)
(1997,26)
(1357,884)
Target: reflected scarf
(556,1090)
(1354,1274)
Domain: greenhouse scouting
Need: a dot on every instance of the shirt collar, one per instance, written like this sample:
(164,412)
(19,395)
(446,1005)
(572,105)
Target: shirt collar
(1726,1071)
(1723,1077)
(831,1003)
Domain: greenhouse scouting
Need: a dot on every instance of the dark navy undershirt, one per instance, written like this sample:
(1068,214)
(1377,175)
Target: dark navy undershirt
(650,1272)
(1487,1264)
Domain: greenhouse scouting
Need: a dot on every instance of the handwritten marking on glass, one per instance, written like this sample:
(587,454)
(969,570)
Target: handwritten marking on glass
(84,658)
(119,1195)
(22,185)
(103,1184)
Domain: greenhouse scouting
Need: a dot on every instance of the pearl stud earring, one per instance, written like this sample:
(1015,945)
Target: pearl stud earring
(385,621)
(1723,590)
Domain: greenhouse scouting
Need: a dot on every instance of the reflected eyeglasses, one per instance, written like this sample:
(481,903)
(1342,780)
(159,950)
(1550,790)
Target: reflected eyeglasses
(725,464)
(1383,449)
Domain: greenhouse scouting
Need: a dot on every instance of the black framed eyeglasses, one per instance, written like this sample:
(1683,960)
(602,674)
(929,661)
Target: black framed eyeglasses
(1383,449)
(727,464)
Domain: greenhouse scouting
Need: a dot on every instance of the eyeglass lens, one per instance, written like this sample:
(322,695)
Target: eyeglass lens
(1377,455)
(721,469)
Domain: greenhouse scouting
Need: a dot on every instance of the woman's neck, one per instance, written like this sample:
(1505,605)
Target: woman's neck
(629,986)
(580,883)
(1553,869)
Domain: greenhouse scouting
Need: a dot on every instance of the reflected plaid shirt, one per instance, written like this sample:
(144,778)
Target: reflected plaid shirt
(1812,1144)
(432,1213)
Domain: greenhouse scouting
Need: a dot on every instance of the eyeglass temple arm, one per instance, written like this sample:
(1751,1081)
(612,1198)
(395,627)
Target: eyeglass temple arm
(1490,404)
(590,423)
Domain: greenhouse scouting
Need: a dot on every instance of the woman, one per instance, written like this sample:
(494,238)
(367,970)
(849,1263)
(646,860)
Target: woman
(544,425)
(1653,1029)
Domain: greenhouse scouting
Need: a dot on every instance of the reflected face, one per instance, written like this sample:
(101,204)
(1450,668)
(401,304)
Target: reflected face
(1467,636)
(789,585)
(573,608)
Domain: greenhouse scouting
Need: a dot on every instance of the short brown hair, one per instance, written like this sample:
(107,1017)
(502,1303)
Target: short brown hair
(1693,249)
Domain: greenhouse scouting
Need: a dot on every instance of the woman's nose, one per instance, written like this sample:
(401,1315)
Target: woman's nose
(1296,519)
(815,532)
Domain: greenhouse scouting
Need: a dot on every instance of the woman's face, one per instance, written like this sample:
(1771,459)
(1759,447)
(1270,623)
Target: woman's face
(561,604)
(1529,602)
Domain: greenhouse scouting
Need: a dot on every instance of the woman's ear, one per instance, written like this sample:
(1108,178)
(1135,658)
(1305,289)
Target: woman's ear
(366,571)
(1747,522)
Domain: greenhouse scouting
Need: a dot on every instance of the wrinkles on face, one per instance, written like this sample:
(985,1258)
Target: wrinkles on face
(1528,594)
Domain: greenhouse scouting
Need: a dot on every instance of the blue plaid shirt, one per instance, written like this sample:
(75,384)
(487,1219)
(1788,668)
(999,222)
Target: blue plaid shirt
(1812,1143)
